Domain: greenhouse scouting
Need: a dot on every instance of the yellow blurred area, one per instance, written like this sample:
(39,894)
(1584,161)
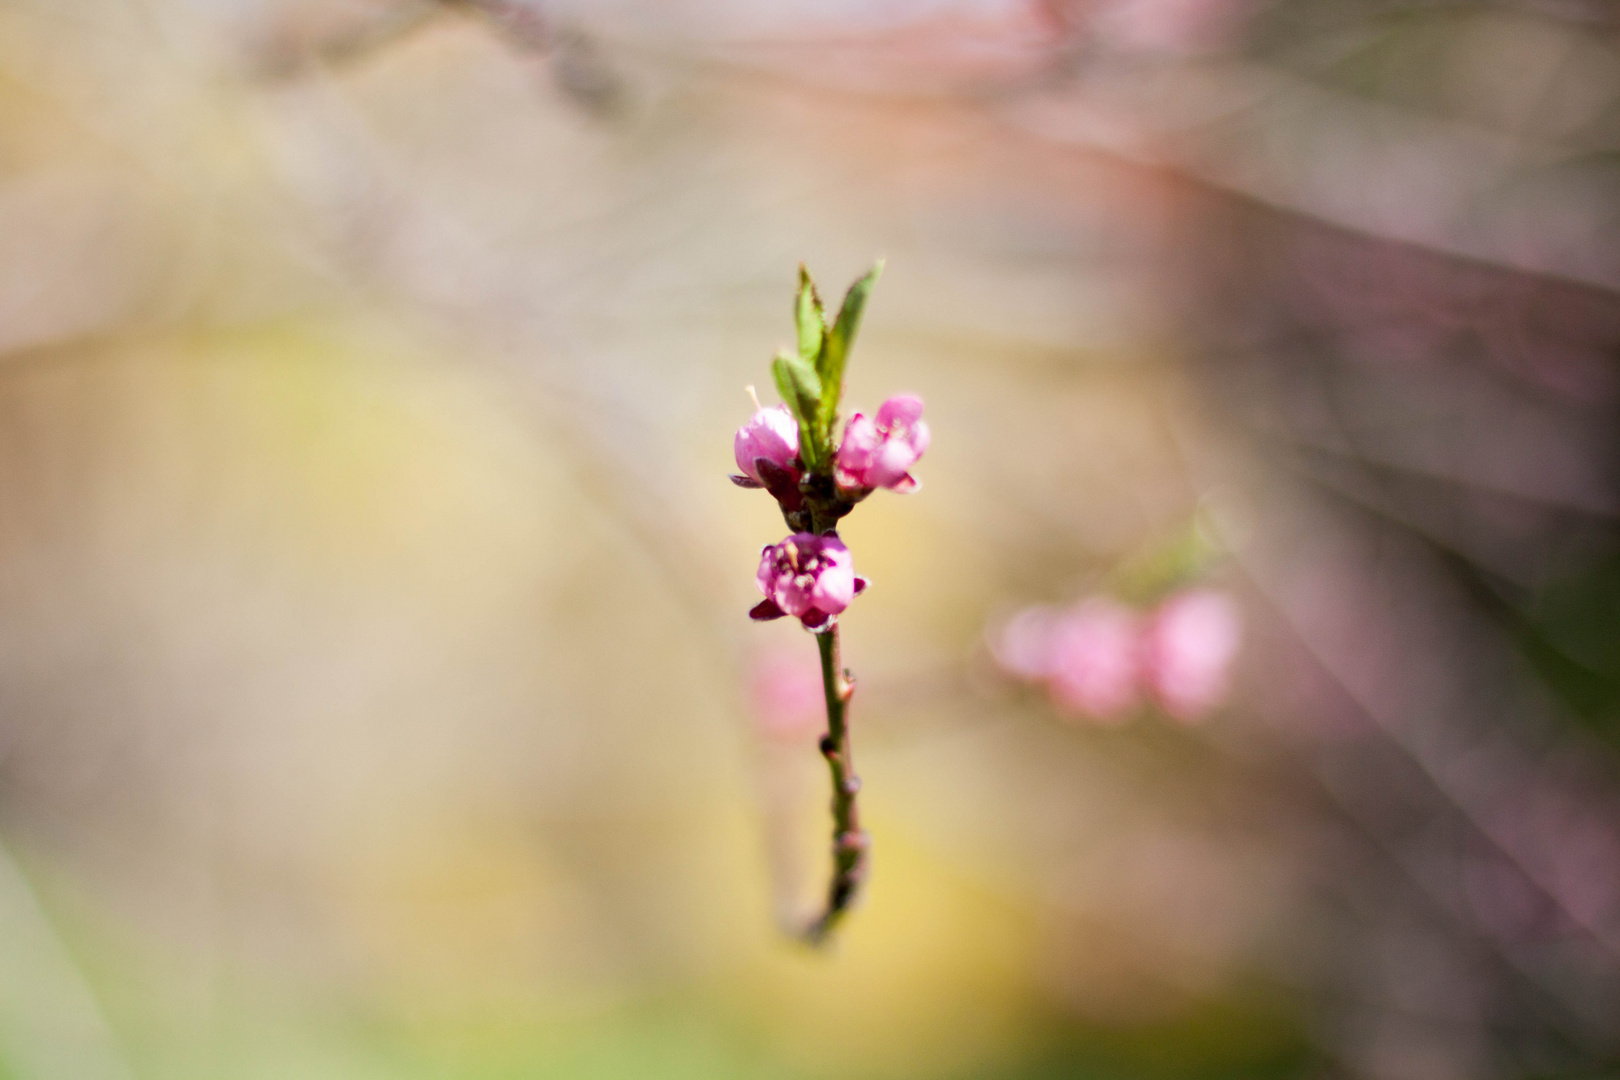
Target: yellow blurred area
(323,534)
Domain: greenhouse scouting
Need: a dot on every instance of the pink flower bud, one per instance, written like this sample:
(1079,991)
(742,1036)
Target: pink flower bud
(771,435)
(880,453)
(1094,660)
(1188,649)
(809,577)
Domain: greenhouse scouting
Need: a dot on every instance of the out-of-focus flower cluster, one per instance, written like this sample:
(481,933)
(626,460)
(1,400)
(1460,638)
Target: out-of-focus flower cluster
(1101,659)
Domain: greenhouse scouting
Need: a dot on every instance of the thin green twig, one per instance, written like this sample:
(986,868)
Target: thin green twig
(849,843)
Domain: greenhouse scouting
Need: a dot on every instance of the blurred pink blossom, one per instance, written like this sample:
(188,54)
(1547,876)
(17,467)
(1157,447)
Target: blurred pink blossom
(809,577)
(881,453)
(1170,27)
(1100,657)
(1187,651)
(1023,646)
(771,435)
(1094,661)
(785,695)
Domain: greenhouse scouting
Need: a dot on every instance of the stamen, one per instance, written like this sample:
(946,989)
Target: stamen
(753,396)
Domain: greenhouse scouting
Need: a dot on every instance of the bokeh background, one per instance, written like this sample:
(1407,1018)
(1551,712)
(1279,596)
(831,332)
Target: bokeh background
(376,696)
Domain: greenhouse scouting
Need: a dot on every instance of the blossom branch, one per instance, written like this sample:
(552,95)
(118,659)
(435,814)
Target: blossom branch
(789,451)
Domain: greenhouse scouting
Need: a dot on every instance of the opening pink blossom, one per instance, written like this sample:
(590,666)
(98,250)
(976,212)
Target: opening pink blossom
(809,577)
(880,452)
(771,436)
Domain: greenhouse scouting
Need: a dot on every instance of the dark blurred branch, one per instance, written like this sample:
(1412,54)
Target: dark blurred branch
(1438,775)
(522,25)
(1289,142)
(284,60)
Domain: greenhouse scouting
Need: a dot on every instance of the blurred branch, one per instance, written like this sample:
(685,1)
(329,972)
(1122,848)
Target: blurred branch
(284,60)
(1556,1002)
(1447,777)
(1442,772)
(1291,143)
(522,24)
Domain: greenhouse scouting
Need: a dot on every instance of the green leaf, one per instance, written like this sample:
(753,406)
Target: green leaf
(800,388)
(798,384)
(808,315)
(835,349)
(1169,563)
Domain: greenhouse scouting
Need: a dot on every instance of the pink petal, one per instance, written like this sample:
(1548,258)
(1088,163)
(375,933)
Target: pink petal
(854,458)
(901,410)
(905,485)
(765,577)
(794,596)
(771,434)
(834,589)
(891,463)
(919,438)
